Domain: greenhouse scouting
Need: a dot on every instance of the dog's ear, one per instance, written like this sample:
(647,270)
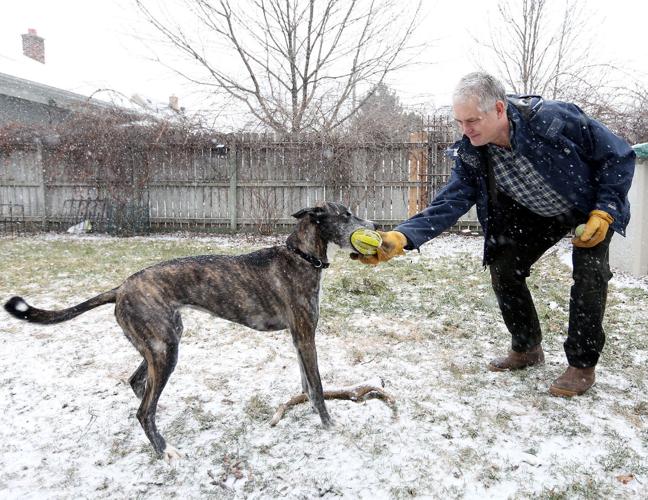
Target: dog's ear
(301,213)
(314,212)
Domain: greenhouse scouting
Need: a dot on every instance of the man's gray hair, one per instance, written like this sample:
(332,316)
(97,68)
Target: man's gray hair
(486,88)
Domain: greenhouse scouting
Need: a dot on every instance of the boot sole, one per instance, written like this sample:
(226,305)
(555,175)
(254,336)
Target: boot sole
(495,368)
(565,393)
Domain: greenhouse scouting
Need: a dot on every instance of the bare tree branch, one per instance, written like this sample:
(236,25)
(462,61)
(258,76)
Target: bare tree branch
(356,394)
(294,64)
(537,49)
(537,53)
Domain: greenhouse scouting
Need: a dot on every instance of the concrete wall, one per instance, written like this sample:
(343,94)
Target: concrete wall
(630,254)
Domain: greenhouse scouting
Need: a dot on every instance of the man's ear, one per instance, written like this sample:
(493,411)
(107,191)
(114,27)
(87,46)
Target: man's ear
(500,108)
(314,212)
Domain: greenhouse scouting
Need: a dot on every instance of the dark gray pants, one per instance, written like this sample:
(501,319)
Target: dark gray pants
(519,244)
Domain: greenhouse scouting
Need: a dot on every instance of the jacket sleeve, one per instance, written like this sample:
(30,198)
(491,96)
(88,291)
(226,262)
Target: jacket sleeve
(451,202)
(614,161)
(611,159)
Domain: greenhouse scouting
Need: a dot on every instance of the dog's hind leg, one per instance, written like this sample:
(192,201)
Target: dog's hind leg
(161,362)
(137,380)
(157,341)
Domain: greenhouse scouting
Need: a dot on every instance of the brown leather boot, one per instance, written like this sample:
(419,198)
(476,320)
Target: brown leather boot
(518,360)
(574,382)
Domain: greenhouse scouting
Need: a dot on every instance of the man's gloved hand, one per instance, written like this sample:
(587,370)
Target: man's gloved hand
(595,229)
(393,244)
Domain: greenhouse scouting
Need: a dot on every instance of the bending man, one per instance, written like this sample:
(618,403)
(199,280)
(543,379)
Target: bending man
(535,169)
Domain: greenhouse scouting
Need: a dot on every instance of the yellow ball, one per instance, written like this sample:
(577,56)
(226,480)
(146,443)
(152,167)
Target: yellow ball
(579,230)
(366,241)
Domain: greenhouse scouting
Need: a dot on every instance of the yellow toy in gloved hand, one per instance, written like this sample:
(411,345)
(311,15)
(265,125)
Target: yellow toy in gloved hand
(595,230)
(366,241)
(393,244)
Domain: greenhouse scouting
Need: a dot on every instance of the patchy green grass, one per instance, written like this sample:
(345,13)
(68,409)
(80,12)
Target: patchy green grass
(73,264)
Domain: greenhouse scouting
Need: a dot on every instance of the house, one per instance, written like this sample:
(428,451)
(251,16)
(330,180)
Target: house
(37,101)
(33,93)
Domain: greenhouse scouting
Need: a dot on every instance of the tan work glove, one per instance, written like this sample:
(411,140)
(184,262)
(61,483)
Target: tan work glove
(393,244)
(595,229)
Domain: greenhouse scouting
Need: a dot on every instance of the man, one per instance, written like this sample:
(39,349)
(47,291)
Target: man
(535,169)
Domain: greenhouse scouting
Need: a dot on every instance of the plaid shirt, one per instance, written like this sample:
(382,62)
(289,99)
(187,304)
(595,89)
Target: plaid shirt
(515,176)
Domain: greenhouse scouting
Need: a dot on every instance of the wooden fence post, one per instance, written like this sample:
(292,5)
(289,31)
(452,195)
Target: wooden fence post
(418,173)
(233,186)
(40,191)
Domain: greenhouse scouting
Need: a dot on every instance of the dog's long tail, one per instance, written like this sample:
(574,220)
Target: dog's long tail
(16,306)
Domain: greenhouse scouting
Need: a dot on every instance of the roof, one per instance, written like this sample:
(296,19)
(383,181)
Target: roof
(50,84)
(43,94)
(24,78)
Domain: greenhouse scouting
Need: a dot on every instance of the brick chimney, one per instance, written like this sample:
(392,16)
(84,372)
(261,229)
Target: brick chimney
(34,45)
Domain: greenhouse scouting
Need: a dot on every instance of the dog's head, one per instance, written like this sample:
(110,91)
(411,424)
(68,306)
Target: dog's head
(335,222)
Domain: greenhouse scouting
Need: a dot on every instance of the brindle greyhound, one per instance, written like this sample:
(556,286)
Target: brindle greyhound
(271,289)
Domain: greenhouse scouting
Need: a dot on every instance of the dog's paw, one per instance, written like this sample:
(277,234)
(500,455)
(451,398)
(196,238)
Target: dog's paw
(328,423)
(171,455)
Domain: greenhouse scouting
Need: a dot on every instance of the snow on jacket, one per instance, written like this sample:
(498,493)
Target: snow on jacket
(576,155)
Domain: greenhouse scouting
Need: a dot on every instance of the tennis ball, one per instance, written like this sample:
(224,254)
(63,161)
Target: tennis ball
(366,241)
(579,230)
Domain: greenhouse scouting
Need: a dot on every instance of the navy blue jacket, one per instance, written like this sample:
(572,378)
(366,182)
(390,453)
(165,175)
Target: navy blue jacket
(577,156)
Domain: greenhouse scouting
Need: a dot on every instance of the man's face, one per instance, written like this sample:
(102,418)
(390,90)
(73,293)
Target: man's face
(481,127)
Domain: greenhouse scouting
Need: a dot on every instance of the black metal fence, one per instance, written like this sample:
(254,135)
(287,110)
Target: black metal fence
(12,218)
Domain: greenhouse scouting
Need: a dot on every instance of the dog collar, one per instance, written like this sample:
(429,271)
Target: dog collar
(314,261)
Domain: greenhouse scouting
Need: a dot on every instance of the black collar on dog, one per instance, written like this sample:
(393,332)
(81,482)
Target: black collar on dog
(315,262)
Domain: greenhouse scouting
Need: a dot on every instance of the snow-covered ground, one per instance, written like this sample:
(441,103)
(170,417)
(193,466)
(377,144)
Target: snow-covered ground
(425,325)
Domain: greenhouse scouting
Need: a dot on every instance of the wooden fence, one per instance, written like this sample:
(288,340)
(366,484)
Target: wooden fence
(250,182)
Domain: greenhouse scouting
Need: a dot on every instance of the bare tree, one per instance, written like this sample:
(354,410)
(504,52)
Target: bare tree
(296,65)
(628,115)
(545,51)
(539,49)
(382,118)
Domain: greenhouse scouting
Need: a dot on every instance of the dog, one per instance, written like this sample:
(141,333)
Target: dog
(272,289)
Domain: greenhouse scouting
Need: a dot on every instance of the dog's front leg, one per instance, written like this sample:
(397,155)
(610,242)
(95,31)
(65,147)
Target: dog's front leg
(307,354)
(304,381)
(302,372)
